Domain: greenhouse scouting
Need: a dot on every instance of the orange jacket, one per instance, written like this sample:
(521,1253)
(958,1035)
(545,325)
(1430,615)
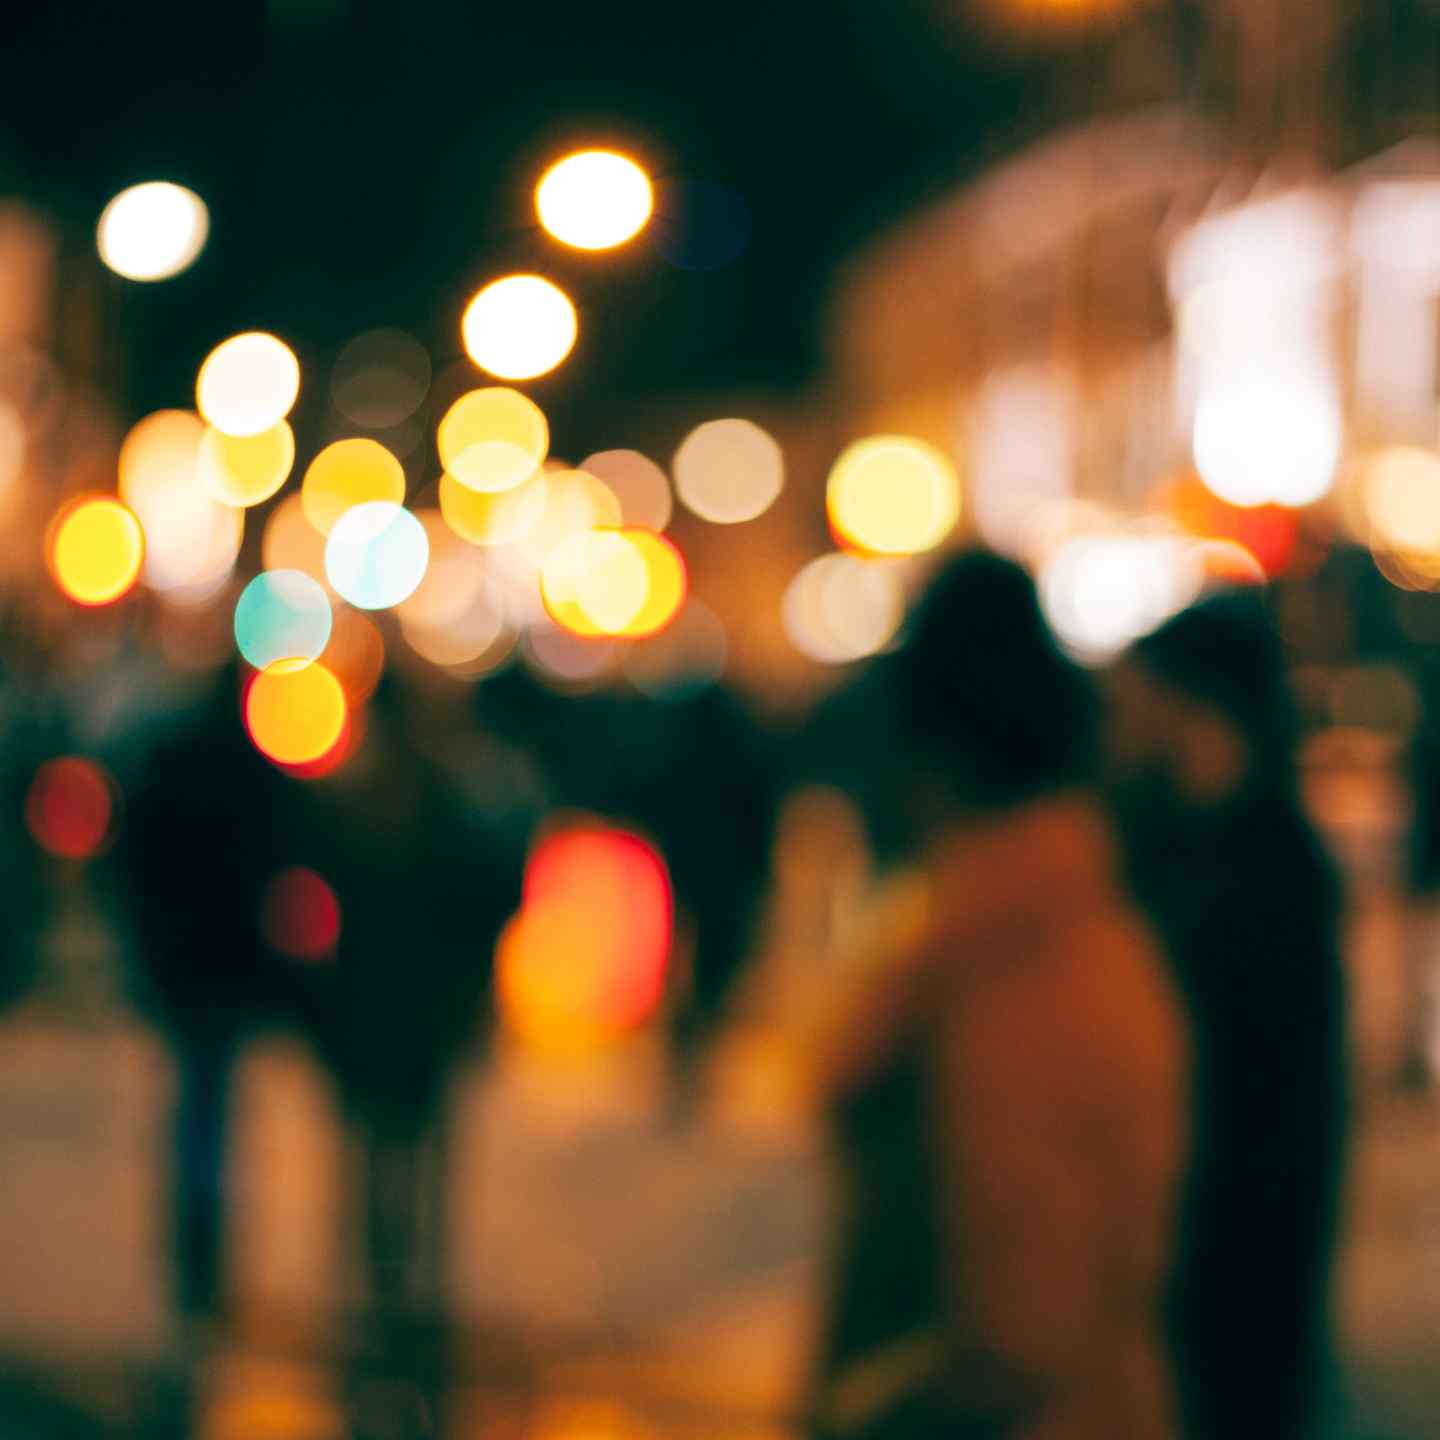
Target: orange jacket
(1057,1068)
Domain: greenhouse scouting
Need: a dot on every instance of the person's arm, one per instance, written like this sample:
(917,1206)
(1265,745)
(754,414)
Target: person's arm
(884,981)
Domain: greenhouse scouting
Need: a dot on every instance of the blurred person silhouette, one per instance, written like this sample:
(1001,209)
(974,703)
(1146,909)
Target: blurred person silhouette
(1008,1089)
(198,846)
(425,879)
(1248,905)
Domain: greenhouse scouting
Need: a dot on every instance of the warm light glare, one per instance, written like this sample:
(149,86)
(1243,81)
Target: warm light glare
(349,473)
(594,199)
(493,519)
(892,495)
(638,483)
(376,555)
(586,957)
(243,470)
(1102,591)
(96,550)
(594,582)
(355,655)
(453,578)
(159,453)
(248,383)
(519,327)
(1262,439)
(1401,499)
(69,806)
(295,712)
(291,542)
(282,615)
(841,608)
(152,231)
(729,471)
(493,440)
(299,915)
(574,501)
(666,584)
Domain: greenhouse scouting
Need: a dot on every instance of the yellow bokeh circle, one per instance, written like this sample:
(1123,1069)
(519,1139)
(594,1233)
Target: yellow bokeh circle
(295,711)
(519,327)
(248,383)
(95,549)
(492,519)
(349,473)
(892,495)
(244,470)
(666,584)
(493,440)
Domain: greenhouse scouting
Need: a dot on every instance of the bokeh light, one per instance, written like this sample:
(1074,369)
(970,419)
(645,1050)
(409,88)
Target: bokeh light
(596,567)
(586,957)
(380,379)
(152,231)
(291,542)
(1267,533)
(464,640)
(519,327)
(95,549)
(840,608)
(1267,439)
(1021,452)
(348,473)
(282,615)
(159,453)
(594,199)
(493,440)
(300,915)
(892,495)
(355,655)
(1101,591)
(489,520)
(376,555)
(70,806)
(191,539)
(243,470)
(295,712)
(638,483)
(666,583)
(574,501)
(1400,495)
(248,383)
(565,660)
(453,578)
(729,471)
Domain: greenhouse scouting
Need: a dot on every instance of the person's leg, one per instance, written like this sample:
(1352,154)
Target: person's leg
(205,1053)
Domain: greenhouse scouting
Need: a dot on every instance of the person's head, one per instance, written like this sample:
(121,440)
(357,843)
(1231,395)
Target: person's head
(991,714)
(1201,708)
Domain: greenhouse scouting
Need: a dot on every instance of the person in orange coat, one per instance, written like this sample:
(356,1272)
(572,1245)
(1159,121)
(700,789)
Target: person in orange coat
(1009,1092)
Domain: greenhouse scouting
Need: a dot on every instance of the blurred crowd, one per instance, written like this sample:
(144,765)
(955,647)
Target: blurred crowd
(1080,1038)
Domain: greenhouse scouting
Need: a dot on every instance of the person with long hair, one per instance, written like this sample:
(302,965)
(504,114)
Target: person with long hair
(1009,1096)
(1248,904)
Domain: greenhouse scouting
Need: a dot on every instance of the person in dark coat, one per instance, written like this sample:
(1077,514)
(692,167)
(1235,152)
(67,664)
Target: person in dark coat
(198,847)
(1248,904)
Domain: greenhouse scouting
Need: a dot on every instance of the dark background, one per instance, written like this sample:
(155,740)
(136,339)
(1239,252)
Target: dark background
(371,163)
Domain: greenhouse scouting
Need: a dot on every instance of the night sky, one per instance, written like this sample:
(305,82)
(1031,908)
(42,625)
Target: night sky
(372,163)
